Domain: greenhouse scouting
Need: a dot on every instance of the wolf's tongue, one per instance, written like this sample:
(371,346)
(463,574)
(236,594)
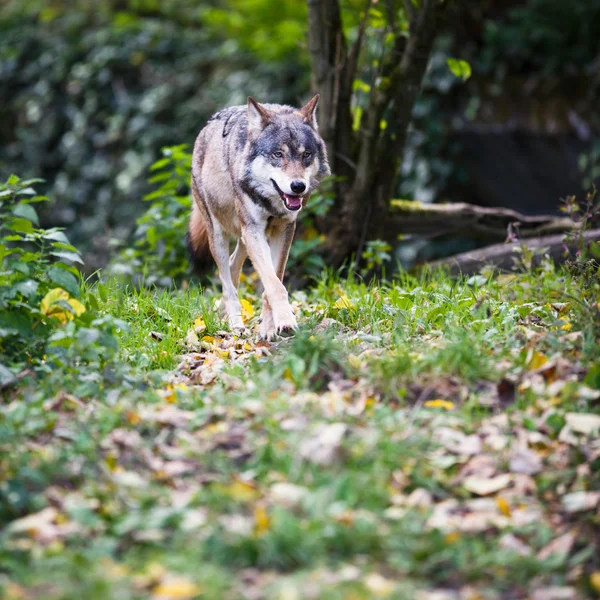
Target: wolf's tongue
(293,201)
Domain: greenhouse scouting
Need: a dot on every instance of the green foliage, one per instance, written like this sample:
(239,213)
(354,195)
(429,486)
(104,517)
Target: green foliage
(158,254)
(49,321)
(90,93)
(460,68)
(376,254)
(39,285)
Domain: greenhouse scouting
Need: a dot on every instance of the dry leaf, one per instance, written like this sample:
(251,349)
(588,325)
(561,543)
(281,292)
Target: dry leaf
(262,521)
(247,309)
(175,588)
(323,447)
(536,360)
(287,494)
(526,462)
(439,403)
(580,501)
(378,585)
(585,423)
(560,545)
(483,486)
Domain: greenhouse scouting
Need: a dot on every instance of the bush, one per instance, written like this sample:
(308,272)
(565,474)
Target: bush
(89,95)
(45,319)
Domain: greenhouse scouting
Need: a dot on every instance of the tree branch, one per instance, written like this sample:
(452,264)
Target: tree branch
(502,256)
(409,217)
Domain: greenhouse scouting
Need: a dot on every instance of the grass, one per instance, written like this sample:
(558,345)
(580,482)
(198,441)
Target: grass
(344,462)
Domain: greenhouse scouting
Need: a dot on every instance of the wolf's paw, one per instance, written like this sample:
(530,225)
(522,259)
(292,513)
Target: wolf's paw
(285,325)
(266,329)
(236,324)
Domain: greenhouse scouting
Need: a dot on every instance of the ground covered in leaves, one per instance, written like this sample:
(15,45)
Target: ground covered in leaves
(421,439)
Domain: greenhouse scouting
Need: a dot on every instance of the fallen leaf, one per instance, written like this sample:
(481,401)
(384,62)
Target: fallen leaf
(585,423)
(554,593)
(511,542)
(503,506)
(262,521)
(595,581)
(247,309)
(580,501)
(199,325)
(560,545)
(238,490)
(483,486)
(525,461)
(536,360)
(439,403)
(175,588)
(287,494)
(323,447)
(343,302)
(378,585)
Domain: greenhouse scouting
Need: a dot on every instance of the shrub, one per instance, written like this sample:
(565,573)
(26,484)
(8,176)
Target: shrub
(45,320)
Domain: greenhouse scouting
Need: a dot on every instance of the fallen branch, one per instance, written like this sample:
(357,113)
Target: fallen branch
(409,217)
(502,256)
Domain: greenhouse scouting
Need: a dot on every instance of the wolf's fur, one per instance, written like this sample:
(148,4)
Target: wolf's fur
(248,167)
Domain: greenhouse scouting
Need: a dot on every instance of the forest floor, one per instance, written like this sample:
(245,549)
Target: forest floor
(424,438)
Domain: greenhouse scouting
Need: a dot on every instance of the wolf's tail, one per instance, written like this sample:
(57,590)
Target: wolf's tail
(197,239)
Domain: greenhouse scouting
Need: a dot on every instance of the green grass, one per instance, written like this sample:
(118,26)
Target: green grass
(154,476)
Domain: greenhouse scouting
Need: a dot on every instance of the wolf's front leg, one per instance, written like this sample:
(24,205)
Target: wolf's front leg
(219,247)
(280,241)
(276,295)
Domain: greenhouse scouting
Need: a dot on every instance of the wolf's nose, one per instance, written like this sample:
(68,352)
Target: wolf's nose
(298,187)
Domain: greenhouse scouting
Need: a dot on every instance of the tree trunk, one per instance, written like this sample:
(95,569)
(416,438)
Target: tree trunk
(368,160)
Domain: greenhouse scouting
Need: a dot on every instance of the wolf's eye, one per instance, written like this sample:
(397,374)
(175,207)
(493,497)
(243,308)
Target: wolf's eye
(307,154)
(277,154)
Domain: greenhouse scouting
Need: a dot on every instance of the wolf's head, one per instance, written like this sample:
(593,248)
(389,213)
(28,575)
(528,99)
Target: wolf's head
(287,157)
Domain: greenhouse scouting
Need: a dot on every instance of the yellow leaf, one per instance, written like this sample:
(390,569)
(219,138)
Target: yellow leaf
(77,307)
(50,306)
(567,326)
(287,374)
(240,491)
(176,588)
(199,325)
(209,339)
(452,537)
(379,586)
(262,521)
(503,506)
(595,581)
(536,360)
(439,403)
(343,302)
(354,361)
(247,310)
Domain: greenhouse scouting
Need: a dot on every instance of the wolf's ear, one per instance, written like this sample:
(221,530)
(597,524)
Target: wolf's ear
(309,111)
(258,115)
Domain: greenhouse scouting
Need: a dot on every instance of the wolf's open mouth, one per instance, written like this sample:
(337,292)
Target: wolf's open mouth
(291,201)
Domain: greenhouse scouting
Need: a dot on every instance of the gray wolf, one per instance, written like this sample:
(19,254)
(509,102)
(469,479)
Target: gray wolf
(254,168)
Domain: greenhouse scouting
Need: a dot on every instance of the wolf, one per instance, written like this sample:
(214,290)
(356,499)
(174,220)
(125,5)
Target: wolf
(254,168)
